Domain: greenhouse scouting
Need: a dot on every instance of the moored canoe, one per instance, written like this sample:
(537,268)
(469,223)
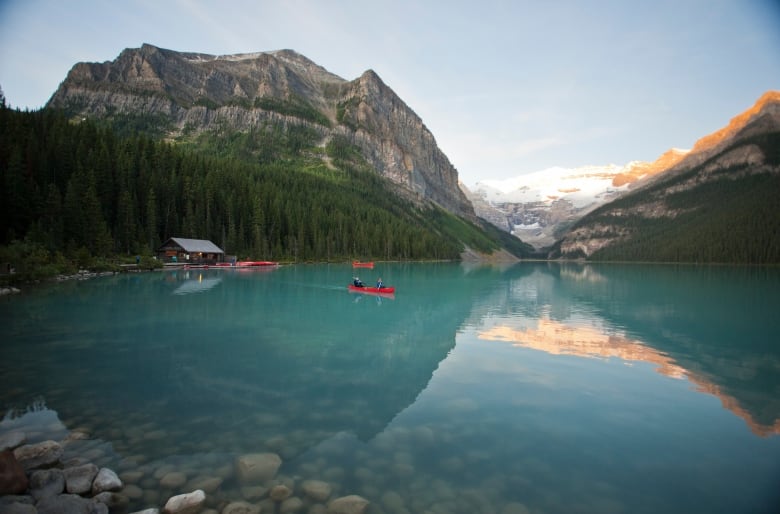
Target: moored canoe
(257,263)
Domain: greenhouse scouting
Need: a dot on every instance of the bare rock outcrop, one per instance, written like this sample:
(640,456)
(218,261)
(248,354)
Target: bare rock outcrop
(185,93)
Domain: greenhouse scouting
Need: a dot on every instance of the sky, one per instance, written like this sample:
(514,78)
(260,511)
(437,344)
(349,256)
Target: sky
(506,87)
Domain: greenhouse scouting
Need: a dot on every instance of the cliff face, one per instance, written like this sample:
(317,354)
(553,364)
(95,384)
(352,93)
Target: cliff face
(395,140)
(196,92)
(154,80)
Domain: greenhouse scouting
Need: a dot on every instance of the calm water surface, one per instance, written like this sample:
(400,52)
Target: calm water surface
(539,388)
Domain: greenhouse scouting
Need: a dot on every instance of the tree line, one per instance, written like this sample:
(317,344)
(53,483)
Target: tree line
(731,217)
(723,221)
(81,190)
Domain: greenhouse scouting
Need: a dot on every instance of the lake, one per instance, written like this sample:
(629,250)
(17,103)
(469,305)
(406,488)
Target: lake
(533,388)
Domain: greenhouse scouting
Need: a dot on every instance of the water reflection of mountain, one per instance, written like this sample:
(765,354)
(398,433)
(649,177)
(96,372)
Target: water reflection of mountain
(714,325)
(290,352)
(353,364)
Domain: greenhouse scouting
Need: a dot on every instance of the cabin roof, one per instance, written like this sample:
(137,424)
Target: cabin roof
(193,245)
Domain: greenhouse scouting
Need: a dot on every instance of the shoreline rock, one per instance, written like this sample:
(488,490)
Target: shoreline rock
(40,478)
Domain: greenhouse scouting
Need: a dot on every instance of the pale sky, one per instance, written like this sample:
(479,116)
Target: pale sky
(506,87)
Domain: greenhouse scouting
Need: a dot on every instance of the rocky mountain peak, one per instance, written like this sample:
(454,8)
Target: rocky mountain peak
(201,92)
(637,170)
(740,157)
(768,104)
(537,207)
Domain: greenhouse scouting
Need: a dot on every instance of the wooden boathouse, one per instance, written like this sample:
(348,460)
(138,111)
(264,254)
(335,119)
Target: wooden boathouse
(190,251)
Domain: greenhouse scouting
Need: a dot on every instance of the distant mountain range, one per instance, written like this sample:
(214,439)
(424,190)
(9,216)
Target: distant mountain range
(717,204)
(537,207)
(540,207)
(605,212)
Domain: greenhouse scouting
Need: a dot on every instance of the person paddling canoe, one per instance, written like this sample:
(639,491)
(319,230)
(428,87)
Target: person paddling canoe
(357,282)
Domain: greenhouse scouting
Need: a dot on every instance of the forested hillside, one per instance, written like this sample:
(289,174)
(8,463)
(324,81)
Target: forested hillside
(710,213)
(79,191)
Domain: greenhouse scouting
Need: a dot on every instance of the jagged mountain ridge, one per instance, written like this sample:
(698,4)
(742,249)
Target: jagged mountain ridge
(761,118)
(540,207)
(201,92)
(727,183)
(537,207)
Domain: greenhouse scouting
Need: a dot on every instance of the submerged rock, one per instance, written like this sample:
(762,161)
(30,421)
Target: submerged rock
(291,505)
(114,501)
(207,484)
(280,492)
(70,504)
(18,508)
(40,455)
(317,490)
(352,504)
(46,483)
(257,467)
(78,479)
(173,480)
(12,440)
(241,508)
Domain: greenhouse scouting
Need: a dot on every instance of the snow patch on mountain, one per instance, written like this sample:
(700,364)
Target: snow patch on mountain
(581,186)
(538,206)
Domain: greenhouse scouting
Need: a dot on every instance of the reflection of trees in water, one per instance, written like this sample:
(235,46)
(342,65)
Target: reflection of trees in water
(280,366)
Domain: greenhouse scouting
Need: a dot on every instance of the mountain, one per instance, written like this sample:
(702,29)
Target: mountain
(717,204)
(537,207)
(185,96)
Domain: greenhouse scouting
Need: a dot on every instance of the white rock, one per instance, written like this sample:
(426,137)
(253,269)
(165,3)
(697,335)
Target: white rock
(189,503)
(106,480)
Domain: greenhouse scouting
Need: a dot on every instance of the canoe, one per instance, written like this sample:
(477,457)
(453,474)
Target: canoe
(371,290)
(256,263)
(358,264)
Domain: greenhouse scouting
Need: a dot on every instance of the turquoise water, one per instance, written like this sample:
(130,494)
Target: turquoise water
(540,388)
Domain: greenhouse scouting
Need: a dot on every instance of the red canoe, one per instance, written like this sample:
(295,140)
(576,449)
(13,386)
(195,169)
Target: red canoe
(371,290)
(358,264)
(257,263)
